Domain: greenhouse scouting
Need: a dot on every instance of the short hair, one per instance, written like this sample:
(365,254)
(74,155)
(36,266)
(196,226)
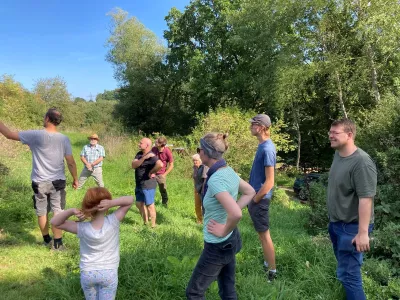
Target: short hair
(162,140)
(196,157)
(93,198)
(347,124)
(214,144)
(54,116)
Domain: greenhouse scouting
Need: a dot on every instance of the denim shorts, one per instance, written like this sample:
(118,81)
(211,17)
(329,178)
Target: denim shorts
(145,195)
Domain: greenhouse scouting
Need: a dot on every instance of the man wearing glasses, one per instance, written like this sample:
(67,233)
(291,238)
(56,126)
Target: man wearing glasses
(351,190)
(92,156)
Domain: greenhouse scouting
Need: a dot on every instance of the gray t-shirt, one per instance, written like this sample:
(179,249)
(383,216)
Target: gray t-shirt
(199,176)
(48,152)
(99,249)
(350,178)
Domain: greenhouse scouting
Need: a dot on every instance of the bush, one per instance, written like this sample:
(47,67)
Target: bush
(318,216)
(242,145)
(387,244)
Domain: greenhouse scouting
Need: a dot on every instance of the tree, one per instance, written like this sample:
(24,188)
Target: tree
(52,89)
(107,95)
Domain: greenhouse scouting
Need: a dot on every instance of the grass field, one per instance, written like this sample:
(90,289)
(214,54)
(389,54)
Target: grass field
(157,264)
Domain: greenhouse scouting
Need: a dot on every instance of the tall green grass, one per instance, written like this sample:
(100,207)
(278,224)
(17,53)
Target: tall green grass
(157,264)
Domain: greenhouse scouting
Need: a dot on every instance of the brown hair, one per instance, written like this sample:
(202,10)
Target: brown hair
(214,144)
(54,116)
(92,198)
(347,124)
(162,140)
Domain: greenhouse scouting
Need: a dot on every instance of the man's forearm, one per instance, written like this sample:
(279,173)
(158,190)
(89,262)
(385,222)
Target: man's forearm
(83,159)
(72,169)
(364,214)
(97,161)
(266,187)
(12,135)
(137,163)
(169,169)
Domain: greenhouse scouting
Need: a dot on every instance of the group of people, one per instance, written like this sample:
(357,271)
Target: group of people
(351,189)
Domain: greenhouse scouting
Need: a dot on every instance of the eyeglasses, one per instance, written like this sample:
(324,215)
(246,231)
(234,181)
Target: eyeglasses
(93,139)
(335,132)
(198,150)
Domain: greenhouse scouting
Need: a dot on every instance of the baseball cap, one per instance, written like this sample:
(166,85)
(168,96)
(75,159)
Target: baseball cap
(261,119)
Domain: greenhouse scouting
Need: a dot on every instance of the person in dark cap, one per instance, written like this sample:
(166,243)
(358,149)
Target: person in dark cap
(92,156)
(262,180)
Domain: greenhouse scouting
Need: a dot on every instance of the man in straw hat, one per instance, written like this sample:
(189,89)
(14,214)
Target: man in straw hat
(92,156)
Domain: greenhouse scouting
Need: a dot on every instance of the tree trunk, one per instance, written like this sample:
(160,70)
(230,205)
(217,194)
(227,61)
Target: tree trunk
(374,74)
(297,126)
(340,94)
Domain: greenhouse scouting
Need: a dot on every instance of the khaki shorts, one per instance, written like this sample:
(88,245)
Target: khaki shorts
(49,196)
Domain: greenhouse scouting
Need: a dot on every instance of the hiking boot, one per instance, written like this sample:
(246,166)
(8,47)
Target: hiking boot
(272,276)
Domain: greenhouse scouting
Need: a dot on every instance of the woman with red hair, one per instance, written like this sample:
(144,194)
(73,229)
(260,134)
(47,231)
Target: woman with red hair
(99,240)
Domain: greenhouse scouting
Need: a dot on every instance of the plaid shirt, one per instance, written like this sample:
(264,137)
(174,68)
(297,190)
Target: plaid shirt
(91,154)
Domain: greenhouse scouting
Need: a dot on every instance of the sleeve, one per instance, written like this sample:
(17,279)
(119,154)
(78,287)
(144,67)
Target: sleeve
(154,159)
(269,158)
(170,156)
(83,151)
(79,226)
(216,185)
(67,146)
(205,170)
(102,151)
(114,222)
(138,156)
(27,137)
(365,180)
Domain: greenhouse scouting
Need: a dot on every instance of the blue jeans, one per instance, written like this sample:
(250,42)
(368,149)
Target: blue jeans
(349,259)
(217,262)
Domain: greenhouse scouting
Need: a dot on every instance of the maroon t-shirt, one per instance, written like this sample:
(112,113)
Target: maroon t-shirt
(165,156)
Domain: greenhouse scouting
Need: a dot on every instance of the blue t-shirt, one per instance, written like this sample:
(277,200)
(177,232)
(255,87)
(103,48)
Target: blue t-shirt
(223,180)
(265,157)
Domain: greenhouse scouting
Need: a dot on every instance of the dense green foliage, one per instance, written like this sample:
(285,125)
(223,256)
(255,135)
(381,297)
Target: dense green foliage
(23,109)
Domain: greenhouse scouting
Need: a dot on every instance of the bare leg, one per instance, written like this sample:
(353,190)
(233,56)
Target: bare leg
(268,248)
(143,211)
(43,222)
(57,233)
(152,213)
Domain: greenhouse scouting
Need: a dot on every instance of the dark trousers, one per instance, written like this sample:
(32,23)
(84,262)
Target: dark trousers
(217,262)
(349,259)
(162,185)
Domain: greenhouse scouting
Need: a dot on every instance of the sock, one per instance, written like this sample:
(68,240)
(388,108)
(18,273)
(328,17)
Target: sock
(47,238)
(265,264)
(273,271)
(57,243)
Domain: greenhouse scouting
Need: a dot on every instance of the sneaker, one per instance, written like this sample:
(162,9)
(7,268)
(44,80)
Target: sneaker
(60,248)
(272,276)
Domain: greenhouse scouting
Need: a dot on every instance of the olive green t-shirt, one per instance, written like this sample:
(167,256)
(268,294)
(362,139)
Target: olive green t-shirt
(350,178)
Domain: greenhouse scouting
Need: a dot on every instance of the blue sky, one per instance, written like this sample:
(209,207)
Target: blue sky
(48,38)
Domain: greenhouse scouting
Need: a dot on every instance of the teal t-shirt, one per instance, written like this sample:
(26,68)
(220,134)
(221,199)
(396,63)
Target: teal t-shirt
(223,180)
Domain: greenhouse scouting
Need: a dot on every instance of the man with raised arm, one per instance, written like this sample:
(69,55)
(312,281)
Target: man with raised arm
(146,165)
(351,190)
(49,149)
